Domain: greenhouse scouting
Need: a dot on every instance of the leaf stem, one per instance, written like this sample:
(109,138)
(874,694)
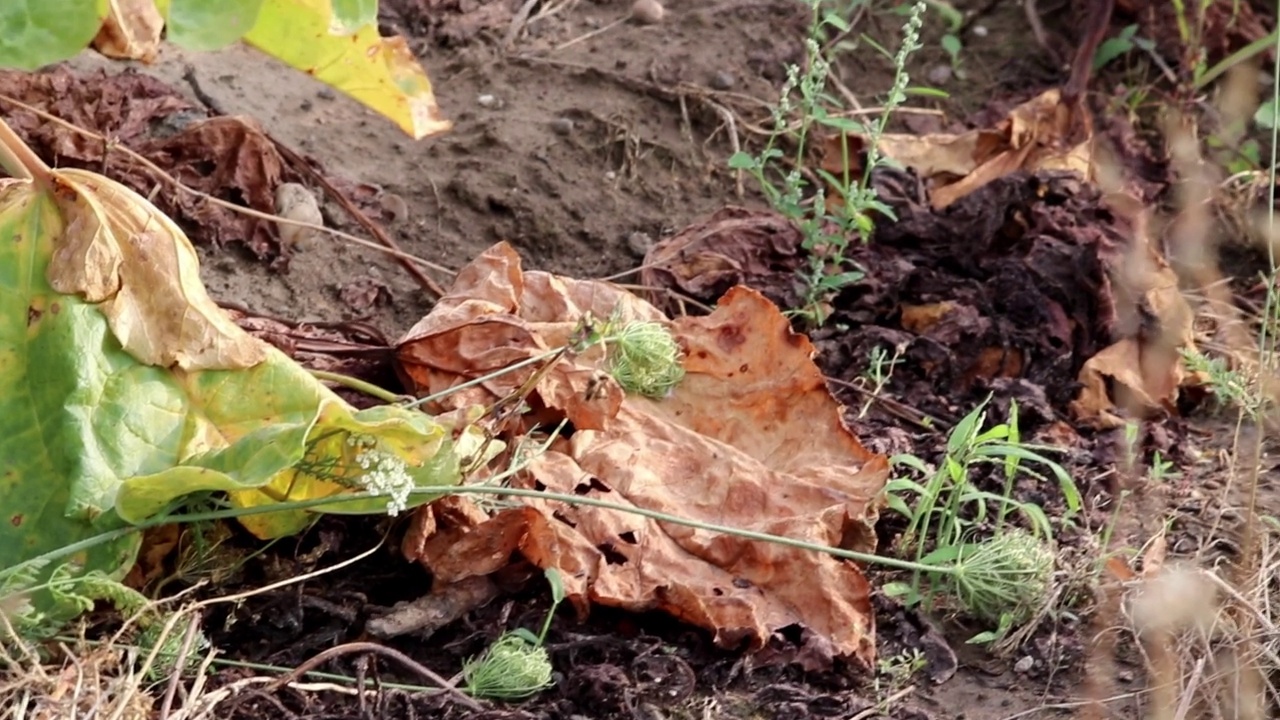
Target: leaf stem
(20,161)
(514,492)
(358,385)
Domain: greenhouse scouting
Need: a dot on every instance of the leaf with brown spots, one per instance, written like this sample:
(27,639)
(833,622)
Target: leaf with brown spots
(750,438)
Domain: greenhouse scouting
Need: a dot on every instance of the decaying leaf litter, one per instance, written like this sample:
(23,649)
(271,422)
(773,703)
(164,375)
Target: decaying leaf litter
(970,336)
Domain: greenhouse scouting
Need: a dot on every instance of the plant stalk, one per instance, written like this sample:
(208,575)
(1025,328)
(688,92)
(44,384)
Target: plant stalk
(20,161)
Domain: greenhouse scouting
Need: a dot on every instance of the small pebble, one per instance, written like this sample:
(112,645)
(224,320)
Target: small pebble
(1024,664)
(394,206)
(562,126)
(648,12)
(611,176)
(326,94)
(295,202)
(723,81)
(487,101)
(639,243)
(980,30)
(939,74)
(305,106)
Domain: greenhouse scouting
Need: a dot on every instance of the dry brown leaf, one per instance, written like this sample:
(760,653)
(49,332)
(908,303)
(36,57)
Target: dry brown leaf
(131,31)
(1119,569)
(1140,373)
(232,158)
(128,108)
(919,319)
(751,439)
(735,246)
(1036,135)
(497,315)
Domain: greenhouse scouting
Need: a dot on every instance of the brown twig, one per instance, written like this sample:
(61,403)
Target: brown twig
(674,294)
(922,420)
(1037,30)
(591,33)
(1095,29)
(358,647)
(517,24)
(362,219)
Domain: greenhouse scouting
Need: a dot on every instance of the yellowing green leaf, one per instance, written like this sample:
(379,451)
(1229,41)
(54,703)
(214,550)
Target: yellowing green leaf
(121,252)
(381,73)
(56,471)
(128,390)
(35,33)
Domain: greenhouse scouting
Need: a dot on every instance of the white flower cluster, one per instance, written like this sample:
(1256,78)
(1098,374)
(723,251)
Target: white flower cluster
(910,44)
(384,473)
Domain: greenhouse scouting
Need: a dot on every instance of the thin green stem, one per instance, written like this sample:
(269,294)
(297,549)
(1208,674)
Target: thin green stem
(1245,53)
(358,385)
(484,378)
(483,490)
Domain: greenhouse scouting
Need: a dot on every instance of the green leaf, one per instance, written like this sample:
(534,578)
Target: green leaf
(837,183)
(35,33)
(1070,493)
(876,46)
(953,17)
(742,161)
(951,44)
(898,485)
(898,505)
(205,25)
(990,636)
(1015,438)
(983,638)
(961,437)
(835,21)
(942,557)
(841,280)
(927,92)
(1109,50)
(842,124)
(351,15)
(883,208)
(902,592)
(998,432)
(1265,117)
(557,585)
(526,635)
(910,461)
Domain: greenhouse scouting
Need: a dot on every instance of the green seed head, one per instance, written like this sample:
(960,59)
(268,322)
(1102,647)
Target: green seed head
(644,358)
(513,668)
(1009,573)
